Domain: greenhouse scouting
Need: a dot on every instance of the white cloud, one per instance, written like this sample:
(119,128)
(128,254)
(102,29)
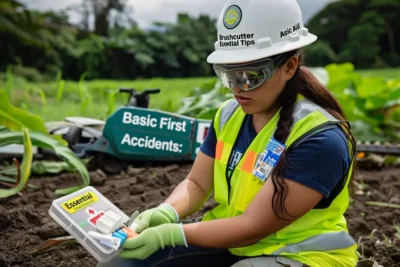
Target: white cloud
(145,12)
(50,4)
(148,11)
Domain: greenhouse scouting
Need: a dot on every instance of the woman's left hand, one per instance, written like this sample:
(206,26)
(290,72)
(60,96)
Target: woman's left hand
(153,239)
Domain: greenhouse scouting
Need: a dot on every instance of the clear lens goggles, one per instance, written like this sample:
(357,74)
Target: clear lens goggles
(247,76)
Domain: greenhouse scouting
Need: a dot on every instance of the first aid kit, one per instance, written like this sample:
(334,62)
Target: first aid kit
(95,222)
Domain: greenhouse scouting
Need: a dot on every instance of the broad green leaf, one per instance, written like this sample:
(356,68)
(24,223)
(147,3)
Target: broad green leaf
(371,86)
(365,132)
(341,76)
(14,180)
(25,168)
(42,167)
(394,114)
(205,105)
(353,110)
(45,141)
(393,97)
(7,179)
(3,129)
(207,114)
(385,100)
(374,103)
(393,84)
(15,118)
(10,171)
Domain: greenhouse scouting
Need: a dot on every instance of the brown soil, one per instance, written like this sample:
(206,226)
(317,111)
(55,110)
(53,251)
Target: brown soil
(25,223)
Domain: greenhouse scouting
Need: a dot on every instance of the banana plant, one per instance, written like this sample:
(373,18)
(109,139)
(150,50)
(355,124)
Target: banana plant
(24,169)
(205,105)
(14,122)
(367,101)
(15,118)
(45,141)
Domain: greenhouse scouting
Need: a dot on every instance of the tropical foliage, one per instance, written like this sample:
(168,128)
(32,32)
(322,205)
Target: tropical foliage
(359,31)
(37,45)
(371,104)
(20,127)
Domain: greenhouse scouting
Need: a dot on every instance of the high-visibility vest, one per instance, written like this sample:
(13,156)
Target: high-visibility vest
(320,237)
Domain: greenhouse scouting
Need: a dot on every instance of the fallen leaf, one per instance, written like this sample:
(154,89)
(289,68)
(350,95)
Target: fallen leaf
(53,242)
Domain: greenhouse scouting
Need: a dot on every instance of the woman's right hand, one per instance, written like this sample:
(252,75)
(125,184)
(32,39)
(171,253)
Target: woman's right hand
(164,213)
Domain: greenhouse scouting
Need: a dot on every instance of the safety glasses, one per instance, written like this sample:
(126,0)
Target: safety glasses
(247,76)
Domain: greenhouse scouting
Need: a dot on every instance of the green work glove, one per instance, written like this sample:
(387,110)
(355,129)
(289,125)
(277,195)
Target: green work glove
(164,213)
(153,239)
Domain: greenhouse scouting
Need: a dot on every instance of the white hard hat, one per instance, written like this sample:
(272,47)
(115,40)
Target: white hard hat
(249,30)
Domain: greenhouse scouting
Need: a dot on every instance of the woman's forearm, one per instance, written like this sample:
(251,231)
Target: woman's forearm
(191,193)
(257,222)
(187,198)
(222,233)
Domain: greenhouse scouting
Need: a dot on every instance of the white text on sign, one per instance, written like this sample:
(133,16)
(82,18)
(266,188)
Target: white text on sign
(148,121)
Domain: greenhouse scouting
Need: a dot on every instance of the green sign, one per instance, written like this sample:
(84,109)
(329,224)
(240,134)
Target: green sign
(137,131)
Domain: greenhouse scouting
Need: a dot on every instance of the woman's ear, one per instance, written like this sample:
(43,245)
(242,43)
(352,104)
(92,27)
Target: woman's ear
(290,67)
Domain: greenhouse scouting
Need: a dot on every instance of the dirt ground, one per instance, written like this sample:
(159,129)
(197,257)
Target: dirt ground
(25,223)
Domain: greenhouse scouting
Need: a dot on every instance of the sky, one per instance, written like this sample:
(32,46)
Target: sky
(147,11)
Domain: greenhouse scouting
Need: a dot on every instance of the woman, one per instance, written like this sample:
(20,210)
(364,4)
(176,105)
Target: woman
(278,158)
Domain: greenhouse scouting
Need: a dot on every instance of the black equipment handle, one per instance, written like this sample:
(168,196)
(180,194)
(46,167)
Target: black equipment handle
(152,91)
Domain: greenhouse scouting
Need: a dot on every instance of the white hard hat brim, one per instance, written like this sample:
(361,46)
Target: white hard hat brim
(252,54)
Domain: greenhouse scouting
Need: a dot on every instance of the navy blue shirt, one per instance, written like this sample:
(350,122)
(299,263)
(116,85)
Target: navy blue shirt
(319,162)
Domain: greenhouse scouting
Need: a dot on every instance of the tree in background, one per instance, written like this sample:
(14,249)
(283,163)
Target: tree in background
(108,44)
(34,42)
(359,31)
(106,14)
(178,50)
(167,50)
(363,47)
(320,54)
(389,11)
(112,48)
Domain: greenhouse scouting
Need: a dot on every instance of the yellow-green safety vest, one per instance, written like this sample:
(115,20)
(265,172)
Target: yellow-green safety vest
(320,237)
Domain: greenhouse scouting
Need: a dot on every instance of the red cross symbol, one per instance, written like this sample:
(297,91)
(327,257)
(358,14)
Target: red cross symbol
(94,219)
(90,211)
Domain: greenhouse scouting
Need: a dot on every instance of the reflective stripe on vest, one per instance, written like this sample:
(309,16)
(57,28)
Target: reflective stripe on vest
(305,107)
(302,109)
(314,234)
(227,112)
(322,242)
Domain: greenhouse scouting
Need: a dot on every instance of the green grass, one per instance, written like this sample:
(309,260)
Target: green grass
(172,92)
(393,73)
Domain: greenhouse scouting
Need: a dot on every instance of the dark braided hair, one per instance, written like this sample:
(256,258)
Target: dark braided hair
(304,83)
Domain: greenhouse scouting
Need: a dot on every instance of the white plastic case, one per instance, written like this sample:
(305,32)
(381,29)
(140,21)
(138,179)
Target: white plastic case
(77,213)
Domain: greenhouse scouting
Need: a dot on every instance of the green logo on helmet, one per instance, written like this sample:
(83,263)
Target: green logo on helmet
(232,17)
